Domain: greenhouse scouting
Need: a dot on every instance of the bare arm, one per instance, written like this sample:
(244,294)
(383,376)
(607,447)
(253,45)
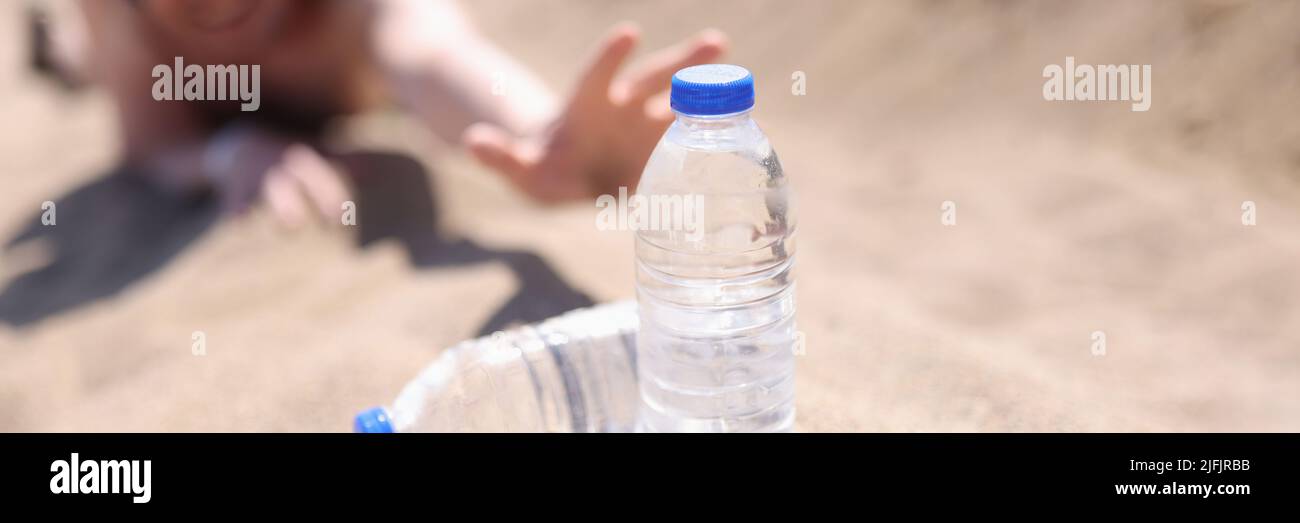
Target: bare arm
(593,142)
(441,69)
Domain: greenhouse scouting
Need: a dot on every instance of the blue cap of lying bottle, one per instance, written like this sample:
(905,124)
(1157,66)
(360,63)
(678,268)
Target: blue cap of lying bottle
(712,89)
(373,421)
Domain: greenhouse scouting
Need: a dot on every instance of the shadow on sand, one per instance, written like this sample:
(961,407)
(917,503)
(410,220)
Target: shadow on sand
(117,229)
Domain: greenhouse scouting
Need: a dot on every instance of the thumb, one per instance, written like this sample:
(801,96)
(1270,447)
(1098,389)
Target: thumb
(498,150)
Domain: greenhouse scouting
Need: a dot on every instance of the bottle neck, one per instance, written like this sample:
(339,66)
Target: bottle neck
(712,122)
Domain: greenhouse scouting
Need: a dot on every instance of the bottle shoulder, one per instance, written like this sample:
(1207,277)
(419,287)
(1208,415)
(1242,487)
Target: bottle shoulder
(740,134)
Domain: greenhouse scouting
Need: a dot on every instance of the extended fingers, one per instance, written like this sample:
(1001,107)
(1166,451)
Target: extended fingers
(599,75)
(656,72)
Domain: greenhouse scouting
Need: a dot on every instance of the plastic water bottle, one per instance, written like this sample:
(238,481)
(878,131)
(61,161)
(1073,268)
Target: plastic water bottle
(716,346)
(572,373)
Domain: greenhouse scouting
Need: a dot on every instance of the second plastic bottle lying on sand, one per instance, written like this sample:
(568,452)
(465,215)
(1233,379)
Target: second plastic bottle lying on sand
(715,350)
(571,373)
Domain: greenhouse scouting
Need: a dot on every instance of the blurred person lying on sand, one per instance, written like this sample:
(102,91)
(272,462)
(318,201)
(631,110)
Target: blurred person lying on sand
(320,59)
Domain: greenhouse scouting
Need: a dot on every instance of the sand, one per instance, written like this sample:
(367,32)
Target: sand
(1071,219)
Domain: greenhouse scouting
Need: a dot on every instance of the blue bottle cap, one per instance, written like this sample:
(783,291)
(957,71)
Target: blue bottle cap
(712,89)
(373,421)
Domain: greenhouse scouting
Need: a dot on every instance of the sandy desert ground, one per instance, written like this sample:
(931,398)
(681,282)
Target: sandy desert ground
(1071,218)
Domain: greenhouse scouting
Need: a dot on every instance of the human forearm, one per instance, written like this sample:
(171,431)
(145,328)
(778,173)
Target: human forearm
(450,76)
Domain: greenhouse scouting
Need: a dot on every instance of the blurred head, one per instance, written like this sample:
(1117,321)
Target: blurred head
(229,25)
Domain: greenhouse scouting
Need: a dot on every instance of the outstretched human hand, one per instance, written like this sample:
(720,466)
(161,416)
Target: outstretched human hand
(603,136)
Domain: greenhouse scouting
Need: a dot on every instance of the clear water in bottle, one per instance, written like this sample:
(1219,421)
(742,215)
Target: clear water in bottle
(572,373)
(717,336)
